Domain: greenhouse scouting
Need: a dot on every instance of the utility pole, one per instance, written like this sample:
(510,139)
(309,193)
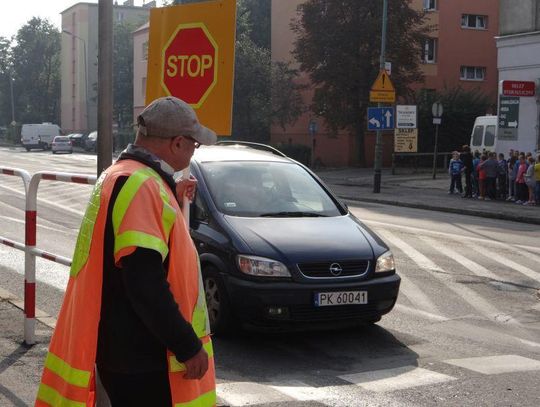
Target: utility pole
(377,164)
(105,85)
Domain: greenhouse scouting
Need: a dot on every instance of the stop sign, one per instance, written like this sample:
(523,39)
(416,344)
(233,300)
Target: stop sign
(190,64)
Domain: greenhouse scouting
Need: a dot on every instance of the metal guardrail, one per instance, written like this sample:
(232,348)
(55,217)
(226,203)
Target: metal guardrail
(414,159)
(29,247)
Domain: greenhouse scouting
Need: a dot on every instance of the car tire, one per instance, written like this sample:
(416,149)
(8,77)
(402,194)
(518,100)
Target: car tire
(217,302)
(27,148)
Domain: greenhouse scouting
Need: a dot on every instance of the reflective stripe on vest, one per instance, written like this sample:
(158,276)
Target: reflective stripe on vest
(204,400)
(176,366)
(121,205)
(84,239)
(200,321)
(52,397)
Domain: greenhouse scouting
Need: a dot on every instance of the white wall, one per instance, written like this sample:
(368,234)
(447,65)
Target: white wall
(519,59)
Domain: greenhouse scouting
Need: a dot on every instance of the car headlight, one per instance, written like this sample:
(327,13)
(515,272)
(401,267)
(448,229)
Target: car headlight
(385,263)
(261,267)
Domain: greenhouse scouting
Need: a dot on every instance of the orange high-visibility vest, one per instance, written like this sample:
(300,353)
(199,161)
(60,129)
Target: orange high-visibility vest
(145,214)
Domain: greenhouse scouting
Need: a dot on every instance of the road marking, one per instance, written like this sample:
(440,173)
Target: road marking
(417,231)
(41,201)
(418,312)
(248,394)
(496,364)
(396,379)
(300,391)
(470,265)
(417,296)
(509,263)
(462,291)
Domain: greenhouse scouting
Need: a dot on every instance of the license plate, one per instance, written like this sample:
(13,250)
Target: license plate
(340,298)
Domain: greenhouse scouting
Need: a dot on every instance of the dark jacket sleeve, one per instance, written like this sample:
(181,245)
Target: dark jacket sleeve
(146,285)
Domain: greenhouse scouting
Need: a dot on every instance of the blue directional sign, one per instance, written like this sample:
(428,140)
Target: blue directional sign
(380,118)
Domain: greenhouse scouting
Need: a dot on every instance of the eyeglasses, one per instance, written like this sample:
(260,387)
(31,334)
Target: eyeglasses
(195,142)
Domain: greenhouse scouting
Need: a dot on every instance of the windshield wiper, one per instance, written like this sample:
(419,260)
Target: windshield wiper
(292,214)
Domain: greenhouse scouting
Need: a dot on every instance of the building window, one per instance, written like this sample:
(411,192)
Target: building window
(473,73)
(474,21)
(429,52)
(145,51)
(430,5)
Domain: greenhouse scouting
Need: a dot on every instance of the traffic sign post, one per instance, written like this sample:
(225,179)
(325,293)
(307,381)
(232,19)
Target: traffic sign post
(382,90)
(508,118)
(405,140)
(380,118)
(191,56)
(312,128)
(406,117)
(437,110)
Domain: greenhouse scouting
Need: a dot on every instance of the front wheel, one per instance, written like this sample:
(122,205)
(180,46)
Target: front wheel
(217,301)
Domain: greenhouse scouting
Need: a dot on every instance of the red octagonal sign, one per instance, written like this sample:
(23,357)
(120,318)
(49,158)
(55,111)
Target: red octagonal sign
(190,64)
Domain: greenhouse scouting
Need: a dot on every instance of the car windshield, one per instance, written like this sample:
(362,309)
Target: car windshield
(266,189)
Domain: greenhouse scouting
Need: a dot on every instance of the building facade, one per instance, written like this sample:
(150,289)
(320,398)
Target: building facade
(79,55)
(518,48)
(461,51)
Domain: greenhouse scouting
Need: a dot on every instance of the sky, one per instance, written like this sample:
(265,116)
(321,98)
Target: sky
(16,13)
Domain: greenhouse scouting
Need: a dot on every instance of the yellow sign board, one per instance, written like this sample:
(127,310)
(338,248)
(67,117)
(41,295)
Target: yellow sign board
(406,140)
(383,83)
(191,56)
(382,90)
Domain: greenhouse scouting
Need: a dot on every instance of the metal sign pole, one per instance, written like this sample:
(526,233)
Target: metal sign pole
(378,141)
(435,151)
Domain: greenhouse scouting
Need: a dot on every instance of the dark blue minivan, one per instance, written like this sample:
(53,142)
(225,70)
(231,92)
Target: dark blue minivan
(278,249)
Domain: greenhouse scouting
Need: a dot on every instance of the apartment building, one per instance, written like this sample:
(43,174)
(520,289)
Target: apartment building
(78,100)
(461,51)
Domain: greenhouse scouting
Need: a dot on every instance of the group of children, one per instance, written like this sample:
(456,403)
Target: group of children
(488,176)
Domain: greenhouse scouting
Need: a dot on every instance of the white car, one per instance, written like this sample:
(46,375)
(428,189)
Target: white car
(62,144)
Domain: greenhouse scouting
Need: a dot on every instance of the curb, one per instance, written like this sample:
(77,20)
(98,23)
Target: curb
(41,316)
(469,212)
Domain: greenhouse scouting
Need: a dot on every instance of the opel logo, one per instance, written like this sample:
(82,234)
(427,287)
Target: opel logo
(335,269)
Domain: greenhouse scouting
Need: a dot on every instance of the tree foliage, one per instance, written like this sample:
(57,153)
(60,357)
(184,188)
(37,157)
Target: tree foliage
(123,74)
(461,107)
(338,45)
(35,66)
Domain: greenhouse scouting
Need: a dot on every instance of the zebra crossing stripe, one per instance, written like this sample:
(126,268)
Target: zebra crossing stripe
(465,293)
(534,275)
(248,394)
(399,378)
(496,364)
(417,296)
(470,265)
(300,391)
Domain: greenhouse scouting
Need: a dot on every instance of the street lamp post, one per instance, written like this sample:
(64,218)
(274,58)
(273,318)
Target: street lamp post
(85,73)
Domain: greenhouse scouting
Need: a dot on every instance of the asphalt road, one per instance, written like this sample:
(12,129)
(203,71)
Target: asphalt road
(465,330)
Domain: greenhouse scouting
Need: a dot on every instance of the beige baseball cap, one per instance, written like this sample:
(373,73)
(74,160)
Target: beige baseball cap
(169,117)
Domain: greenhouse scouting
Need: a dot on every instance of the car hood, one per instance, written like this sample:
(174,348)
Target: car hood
(300,239)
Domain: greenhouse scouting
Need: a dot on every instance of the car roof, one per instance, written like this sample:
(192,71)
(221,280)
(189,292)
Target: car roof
(237,152)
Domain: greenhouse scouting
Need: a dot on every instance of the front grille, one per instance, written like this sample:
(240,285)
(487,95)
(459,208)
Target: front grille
(354,268)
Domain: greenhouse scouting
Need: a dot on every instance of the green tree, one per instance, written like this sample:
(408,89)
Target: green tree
(35,59)
(461,107)
(5,79)
(123,74)
(338,45)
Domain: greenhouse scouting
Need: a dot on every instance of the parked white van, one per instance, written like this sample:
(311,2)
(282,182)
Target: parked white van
(487,136)
(39,135)
(484,134)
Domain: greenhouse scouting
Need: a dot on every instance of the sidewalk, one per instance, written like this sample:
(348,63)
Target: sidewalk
(20,365)
(420,191)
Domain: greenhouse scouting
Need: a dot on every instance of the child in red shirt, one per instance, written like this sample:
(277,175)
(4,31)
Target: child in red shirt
(482,177)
